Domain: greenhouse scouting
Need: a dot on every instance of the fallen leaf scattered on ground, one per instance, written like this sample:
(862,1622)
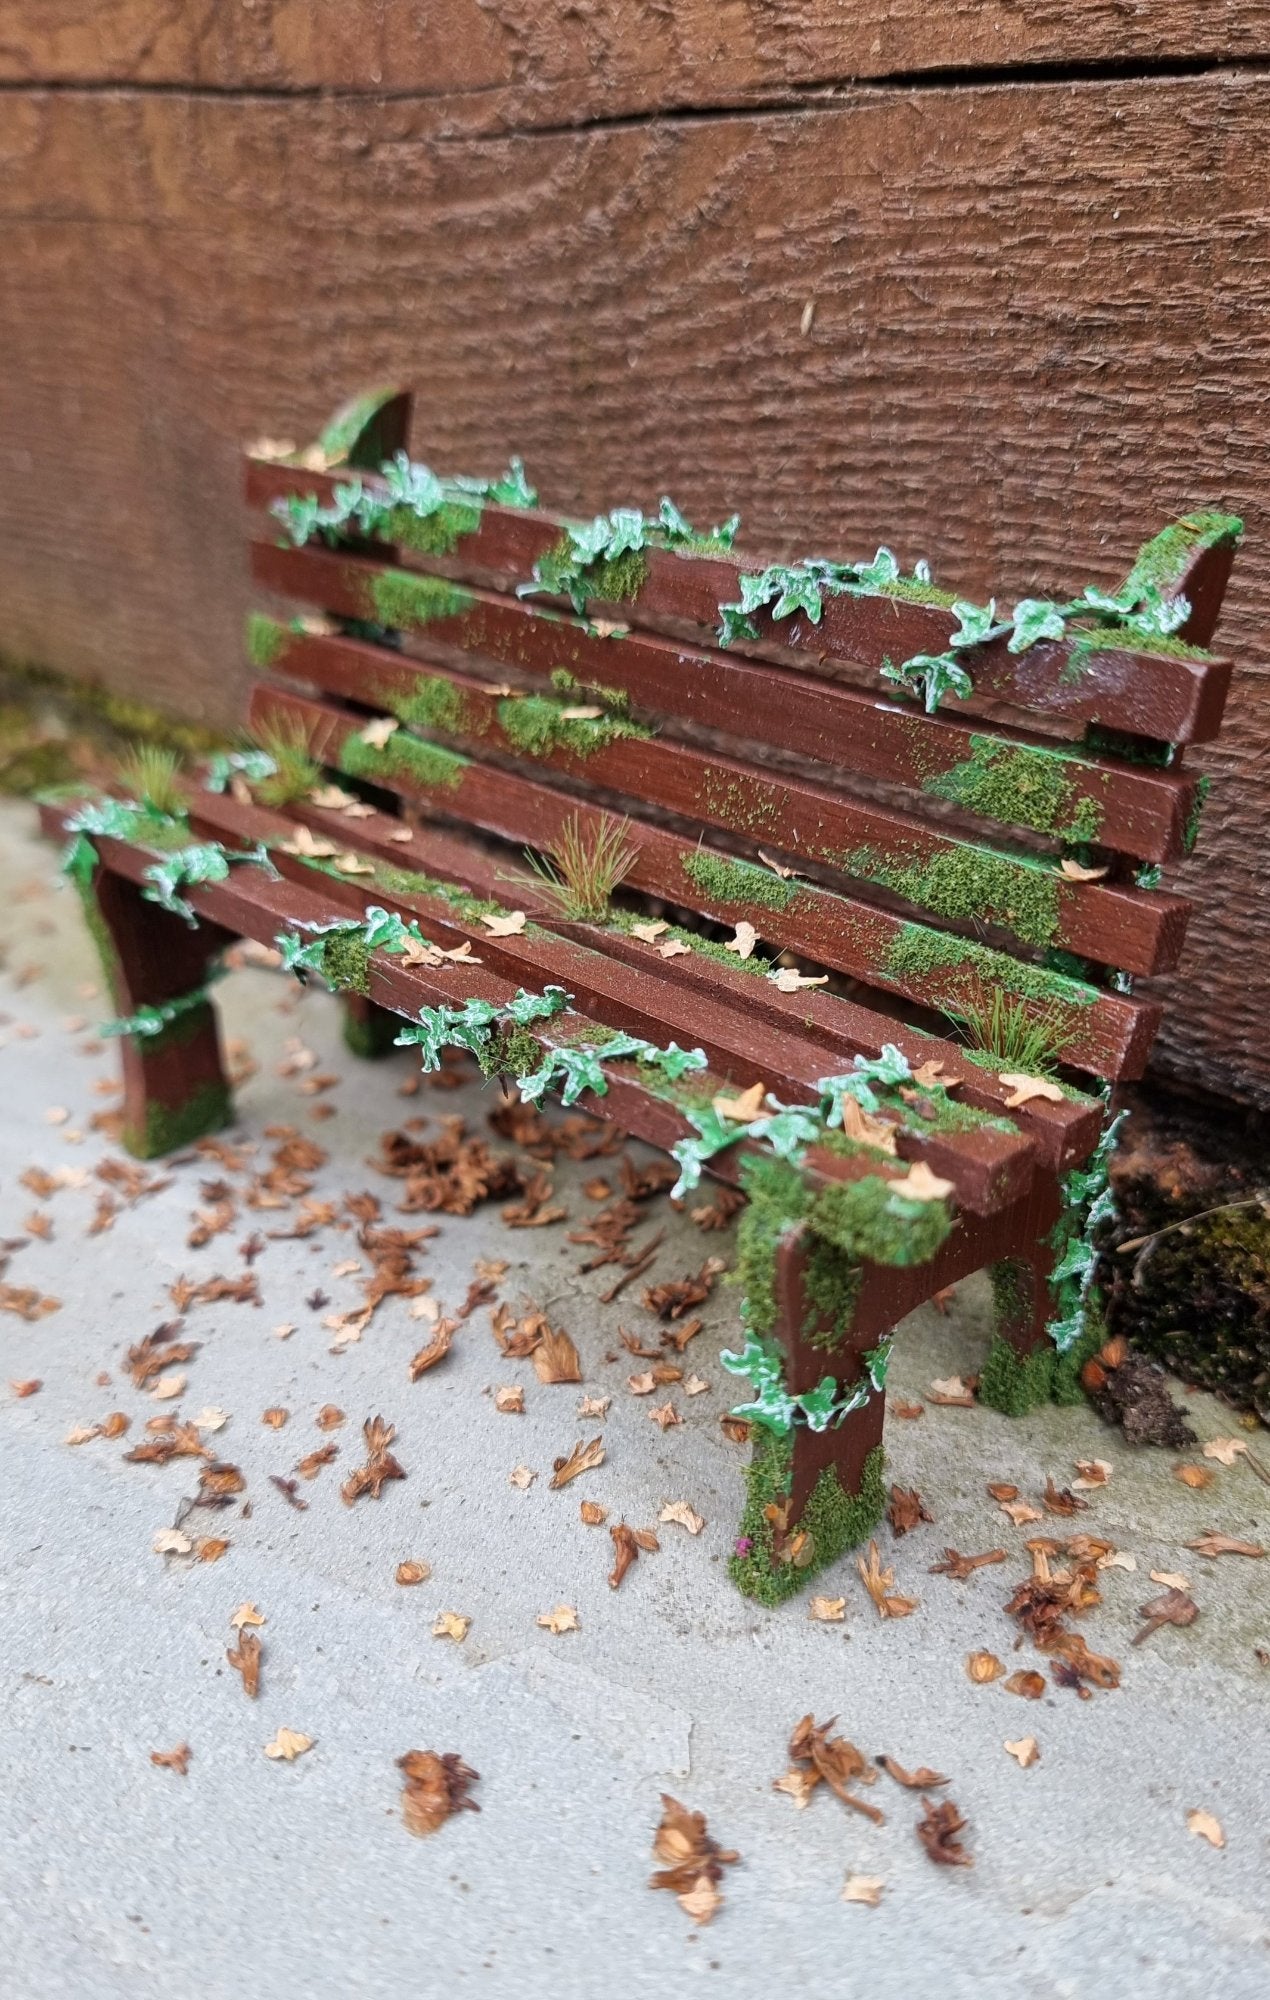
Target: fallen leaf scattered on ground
(1173,1608)
(246,1614)
(1024,1088)
(583,1458)
(556,1358)
(1093,1472)
(683,1515)
(1172,1577)
(1212,1544)
(287,1745)
(1193,1475)
(983,1667)
(171,1542)
(1225,1450)
(563,1619)
(906,1508)
(831,1760)
(692,1863)
(921,1780)
(436,1786)
(1206,1826)
(1019,1512)
(380,1465)
(521,1476)
(665,1415)
(245,1659)
(177,1760)
(828,1610)
(878,1581)
(952,1392)
(627,1543)
(29,1388)
(435,1350)
(938,1831)
(452,1625)
(407,1573)
(592,1514)
(1027,1682)
(865,1889)
(1026,1751)
(509,1399)
(961,1567)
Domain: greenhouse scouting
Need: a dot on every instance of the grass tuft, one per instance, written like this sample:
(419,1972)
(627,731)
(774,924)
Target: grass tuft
(582,870)
(296,771)
(151,774)
(1014,1033)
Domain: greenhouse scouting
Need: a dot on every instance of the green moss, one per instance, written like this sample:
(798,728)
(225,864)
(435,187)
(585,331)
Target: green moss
(1200,1300)
(369,1031)
(436,534)
(833,1519)
(565,683)
(400,599)
(1013,1383)
(1016,1383)
(743,807)
(515,1052)
(611,580)
(1163,560)
(169,1127)
(409,882)
(778,1198)
(870,1223)
(537,726)
(969,884)
(266,640)
(1114,639)
(725,880)
(1190,833)
(405,759)
(706,947)
(346,962)
(432,703)
(832,1283)
(918,952)
(1021,785)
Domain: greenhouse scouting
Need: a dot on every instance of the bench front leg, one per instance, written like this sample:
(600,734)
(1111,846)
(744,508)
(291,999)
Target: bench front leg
(174,1085)
(815,1492)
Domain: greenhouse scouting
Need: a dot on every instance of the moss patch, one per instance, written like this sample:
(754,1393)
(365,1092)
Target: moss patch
(833,1519)
(968,884)
(346,962)
(399,599)
(435,534)
(1021,786)
(266,640)
(918,952)
(537,726)
(405,759)
(870,1223)
(726,880)
(433,703)
(169,1127)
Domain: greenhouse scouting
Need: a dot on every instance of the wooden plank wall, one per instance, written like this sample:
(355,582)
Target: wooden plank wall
(1035,236)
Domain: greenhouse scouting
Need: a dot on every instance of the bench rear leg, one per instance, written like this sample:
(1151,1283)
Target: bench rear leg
(174,1084)
(814,1494)
(369,1030)
(1024,1368)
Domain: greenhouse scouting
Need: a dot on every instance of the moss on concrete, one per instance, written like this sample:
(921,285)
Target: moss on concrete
(725,880)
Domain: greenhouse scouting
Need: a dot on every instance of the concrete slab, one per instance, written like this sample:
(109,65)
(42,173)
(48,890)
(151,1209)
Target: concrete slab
(120,1879)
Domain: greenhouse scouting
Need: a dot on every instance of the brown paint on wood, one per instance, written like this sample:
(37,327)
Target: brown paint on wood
(1036,335)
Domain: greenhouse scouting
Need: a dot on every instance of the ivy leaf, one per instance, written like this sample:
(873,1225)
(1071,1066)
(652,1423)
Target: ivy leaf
(801,593)
(734,625)
(975,623)
(1035,618)
(626,530)
(677,528)
(882,570)
(513,489)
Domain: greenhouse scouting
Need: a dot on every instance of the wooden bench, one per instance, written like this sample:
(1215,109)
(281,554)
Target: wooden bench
(943,816)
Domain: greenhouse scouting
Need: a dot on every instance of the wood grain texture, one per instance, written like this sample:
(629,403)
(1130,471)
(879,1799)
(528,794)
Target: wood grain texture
(1039,331)
(491,64)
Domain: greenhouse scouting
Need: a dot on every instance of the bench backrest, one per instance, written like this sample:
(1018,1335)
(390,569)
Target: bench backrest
(946,847)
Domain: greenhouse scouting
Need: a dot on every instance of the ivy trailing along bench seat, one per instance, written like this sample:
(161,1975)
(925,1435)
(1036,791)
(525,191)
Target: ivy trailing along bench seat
(455,678)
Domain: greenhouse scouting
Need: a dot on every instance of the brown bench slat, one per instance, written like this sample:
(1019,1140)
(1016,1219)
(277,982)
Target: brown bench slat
(1110,1036)
(1137,931)
(1161,694)
(988,1167)
(1063,1134)
(1052,788)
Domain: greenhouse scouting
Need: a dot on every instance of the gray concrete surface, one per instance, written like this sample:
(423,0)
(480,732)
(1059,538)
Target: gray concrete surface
(117,1878)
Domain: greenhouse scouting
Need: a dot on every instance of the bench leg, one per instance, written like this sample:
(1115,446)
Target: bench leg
(174,1083)
(815,1493)
(1024,1368)
(369,1031)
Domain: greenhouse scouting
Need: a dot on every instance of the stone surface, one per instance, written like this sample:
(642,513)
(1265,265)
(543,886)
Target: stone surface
(117,1879)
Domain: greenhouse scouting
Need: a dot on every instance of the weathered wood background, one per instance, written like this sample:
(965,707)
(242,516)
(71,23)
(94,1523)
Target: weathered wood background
(1036,236)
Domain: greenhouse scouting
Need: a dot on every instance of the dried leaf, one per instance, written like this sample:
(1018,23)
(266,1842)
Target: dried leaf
(510,925)
(685,1516)
(920,1780)
(452,1625)
(1076,872)
(650,932)
(435,1787)
(1225,1450)
(744,1107)
(583,1458)
(1093,1472)
(692,1863)
(865,1889)
(407,1573)
(1206,1826)
(1193,1475)
(1173,1608)
(666,1416)
(983,1667)
(377,733)
(522,1477)
(878,1581)
(1212,1544)
(246,1614)
(920,1184)
(1020,1512)
(509,1400)
(744,941)
(951,1391)
(177,1760)
(938,1832)
(828,1759)
(555,1358)
(1029,1684)
(960,1567)
(673,948)
(287,1745)
(275,1418)
(789,980)
(1025,1752)
(1172,1577)
(1024,1088)
(380,1466)
(592,1514)
(245,1659)
(435,1350)
(171,1542)
(828,1610)
(563,1619)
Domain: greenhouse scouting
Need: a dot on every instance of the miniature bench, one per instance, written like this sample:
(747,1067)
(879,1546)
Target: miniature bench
(930,821)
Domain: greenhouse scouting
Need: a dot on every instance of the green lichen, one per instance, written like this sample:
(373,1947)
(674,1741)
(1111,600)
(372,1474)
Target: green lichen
(1021,785)
(401,600)
(404,759)
(967,884)
(168,1127)
(266,640)
(833,1519)
(537,726)
(346,962)
(725,880)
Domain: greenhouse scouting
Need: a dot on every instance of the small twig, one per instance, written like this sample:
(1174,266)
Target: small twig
(1137,1242)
